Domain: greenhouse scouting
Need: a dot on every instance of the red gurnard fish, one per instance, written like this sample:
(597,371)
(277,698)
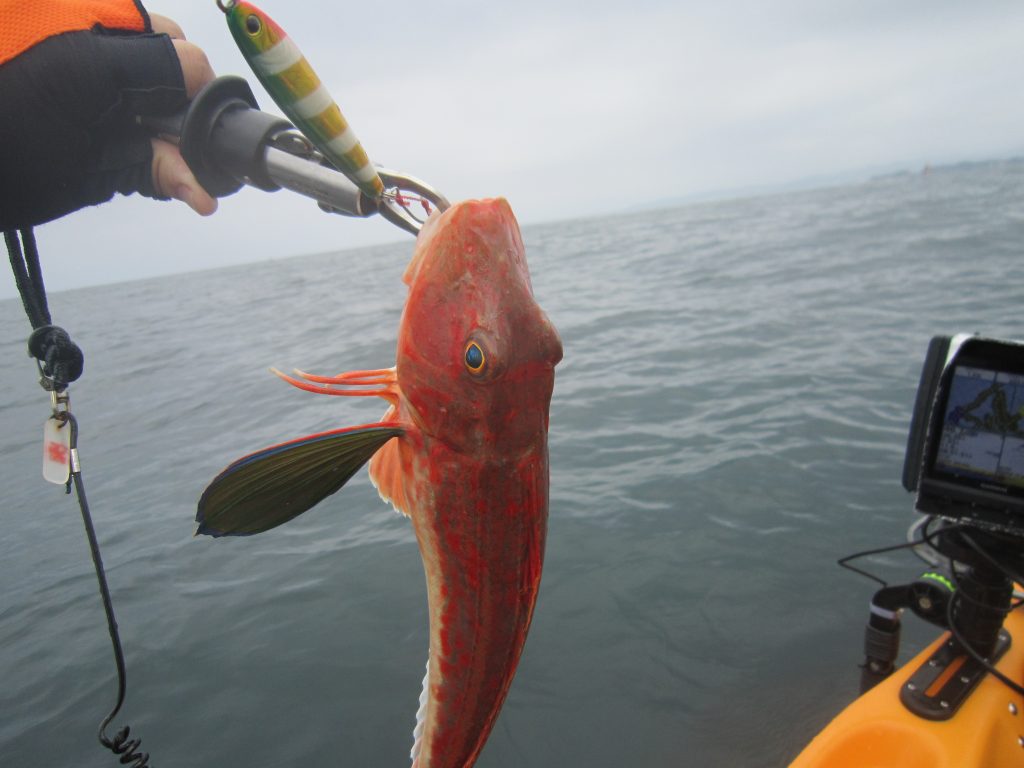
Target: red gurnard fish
(462,450)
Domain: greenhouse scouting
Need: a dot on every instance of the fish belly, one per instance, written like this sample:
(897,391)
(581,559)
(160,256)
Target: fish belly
(482,539)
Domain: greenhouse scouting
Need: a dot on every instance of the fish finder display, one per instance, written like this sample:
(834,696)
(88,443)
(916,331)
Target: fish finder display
(965,449)
(983,427)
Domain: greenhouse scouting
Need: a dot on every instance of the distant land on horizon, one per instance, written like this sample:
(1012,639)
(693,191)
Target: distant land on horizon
(817,181)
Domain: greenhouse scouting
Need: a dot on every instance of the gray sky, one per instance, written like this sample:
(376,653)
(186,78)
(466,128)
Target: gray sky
(579,108)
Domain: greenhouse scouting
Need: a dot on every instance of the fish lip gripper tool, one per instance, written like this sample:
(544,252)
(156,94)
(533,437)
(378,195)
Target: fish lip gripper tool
(228,143)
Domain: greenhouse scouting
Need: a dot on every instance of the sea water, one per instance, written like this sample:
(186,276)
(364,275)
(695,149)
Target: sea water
(729,419)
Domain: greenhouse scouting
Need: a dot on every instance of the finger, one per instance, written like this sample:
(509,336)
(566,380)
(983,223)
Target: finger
(172,178)
(165,26)
(195,67)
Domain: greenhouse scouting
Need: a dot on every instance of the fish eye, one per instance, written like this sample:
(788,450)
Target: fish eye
(252,24)
(475,359)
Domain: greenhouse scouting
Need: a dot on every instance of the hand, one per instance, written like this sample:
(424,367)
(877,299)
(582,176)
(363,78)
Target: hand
(69,137)
(171,175)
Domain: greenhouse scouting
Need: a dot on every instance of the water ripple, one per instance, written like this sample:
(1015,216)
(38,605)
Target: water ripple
(729,418)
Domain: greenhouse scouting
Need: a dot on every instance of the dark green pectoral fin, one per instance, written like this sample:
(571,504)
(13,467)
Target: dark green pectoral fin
(264,489)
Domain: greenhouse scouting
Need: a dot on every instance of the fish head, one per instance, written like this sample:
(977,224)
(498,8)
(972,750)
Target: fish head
(476,353)
(253,30)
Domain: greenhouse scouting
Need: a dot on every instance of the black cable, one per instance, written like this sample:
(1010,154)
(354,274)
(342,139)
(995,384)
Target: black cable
(35,273)
(25,265)
(121,744)
(844,562)
(925,539)
(60,361)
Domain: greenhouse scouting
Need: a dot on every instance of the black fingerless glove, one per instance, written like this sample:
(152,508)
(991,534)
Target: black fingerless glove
(68,136)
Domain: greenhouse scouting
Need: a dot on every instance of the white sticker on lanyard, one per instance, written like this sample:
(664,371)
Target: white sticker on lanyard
(56,452)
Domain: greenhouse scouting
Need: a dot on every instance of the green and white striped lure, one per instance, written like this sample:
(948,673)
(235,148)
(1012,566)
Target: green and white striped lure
(289,79)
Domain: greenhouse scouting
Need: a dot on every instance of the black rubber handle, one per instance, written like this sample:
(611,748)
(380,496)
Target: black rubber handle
(223,136)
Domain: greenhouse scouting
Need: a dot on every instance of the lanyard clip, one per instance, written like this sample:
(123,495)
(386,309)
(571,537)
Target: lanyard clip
(60,403)
(59,398)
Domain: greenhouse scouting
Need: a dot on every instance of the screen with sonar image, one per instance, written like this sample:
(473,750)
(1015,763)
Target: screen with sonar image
(983,428)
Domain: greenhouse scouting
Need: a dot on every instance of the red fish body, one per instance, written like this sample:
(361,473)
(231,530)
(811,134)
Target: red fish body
(462,451)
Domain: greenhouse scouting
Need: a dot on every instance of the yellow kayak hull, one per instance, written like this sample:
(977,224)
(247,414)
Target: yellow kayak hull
(878,731)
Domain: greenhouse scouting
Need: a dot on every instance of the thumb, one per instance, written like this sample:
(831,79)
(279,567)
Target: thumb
(173,178)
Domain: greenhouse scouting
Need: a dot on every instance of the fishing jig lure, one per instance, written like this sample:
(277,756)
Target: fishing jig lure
(282,69)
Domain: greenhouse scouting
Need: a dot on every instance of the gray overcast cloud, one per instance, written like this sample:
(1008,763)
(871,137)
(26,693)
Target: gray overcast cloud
(573,109)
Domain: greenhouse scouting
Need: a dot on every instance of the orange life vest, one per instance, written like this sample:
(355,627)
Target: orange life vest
(23,24)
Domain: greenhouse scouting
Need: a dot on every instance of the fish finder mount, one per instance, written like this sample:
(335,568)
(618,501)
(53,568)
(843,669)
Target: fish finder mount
(965,463)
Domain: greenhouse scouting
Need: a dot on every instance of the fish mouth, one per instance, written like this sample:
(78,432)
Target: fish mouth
(464,227)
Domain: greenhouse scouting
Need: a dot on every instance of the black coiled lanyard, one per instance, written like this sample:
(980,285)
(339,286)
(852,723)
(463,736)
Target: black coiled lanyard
(61,362)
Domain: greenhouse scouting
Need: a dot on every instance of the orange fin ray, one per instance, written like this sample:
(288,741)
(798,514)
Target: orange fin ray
(381,383)
(377,376)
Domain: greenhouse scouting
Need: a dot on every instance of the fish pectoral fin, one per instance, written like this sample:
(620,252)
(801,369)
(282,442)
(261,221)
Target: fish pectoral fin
(390,469)
(270,487)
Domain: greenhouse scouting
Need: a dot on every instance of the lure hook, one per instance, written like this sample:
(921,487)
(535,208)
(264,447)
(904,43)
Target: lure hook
(400,191)
(226,5)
